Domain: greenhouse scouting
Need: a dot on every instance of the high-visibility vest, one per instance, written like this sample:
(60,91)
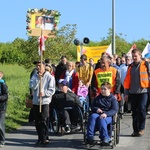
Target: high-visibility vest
(106,76)
(144,78)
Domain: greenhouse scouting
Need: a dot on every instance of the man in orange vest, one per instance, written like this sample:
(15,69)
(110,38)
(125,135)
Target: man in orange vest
(106,73)
(137,85)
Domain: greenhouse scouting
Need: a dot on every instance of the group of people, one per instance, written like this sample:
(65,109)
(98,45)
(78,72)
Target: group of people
(104,86)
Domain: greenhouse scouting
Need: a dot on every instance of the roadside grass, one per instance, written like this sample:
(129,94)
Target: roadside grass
(17,80)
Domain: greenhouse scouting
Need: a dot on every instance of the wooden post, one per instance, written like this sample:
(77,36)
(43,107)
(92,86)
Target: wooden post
(41,58)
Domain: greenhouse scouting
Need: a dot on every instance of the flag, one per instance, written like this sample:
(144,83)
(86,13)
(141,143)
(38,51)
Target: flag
(146,50)
(130,51)
(109,50)
(41,47)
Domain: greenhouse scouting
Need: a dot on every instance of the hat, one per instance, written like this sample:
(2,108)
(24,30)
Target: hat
(38,61)
(63,82)
(147,55)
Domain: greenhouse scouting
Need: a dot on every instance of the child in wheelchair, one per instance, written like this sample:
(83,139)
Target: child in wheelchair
(104,106)
(82,93)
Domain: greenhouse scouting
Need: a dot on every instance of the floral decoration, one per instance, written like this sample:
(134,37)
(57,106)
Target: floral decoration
(44,12)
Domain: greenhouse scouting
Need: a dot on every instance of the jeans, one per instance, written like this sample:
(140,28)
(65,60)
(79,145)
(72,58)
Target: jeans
(95,122)
(138,108)
(85,103)
(2,127)
(41,121)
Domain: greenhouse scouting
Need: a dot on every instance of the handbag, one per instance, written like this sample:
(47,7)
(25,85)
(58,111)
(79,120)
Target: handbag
(28,102)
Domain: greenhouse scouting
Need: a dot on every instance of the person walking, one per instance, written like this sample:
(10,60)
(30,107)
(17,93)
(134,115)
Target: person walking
(60,68)
(43,85)
(85,71)
(137,85)
(3,106)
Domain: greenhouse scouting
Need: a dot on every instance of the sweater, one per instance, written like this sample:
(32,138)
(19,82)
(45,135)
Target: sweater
(108,104)
(48,87)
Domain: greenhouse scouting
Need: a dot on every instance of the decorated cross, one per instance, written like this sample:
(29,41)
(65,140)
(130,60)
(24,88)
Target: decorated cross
(43,24)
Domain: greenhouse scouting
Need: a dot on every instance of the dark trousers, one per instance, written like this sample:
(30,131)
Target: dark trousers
(2,127)
(31,115)
(70,116)
(41,121)
(138,108)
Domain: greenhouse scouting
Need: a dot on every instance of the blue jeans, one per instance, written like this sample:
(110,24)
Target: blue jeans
(84,103)
(138,108)
(95,122)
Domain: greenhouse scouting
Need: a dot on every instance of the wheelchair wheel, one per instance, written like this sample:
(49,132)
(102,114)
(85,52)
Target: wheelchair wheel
(55,120)
(117,129)
(80,120)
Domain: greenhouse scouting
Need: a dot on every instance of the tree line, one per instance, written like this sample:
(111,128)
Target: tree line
(24,52)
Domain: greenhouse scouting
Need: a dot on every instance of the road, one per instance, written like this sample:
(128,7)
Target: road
(25,138)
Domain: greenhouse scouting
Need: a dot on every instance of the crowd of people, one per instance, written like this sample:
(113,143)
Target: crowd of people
(103,85)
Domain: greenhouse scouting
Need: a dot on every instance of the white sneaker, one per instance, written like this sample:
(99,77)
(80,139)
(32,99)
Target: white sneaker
(148,113)
(67,129)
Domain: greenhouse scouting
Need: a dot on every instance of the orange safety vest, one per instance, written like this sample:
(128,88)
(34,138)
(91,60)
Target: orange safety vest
(106,76)
(144,78)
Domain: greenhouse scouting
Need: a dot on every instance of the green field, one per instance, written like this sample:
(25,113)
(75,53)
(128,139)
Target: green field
(17,79)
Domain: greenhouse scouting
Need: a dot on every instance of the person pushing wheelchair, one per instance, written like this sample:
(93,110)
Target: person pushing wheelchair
(104,106)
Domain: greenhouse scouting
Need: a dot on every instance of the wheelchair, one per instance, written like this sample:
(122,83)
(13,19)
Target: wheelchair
(114,129)
(55,121)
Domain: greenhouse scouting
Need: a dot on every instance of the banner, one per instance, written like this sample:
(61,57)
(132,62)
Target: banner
(42,22)
(41,47)
(146,50)
(109,50)
(92,52)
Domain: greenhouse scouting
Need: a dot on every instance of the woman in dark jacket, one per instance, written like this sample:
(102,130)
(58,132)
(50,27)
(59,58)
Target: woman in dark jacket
(103,108)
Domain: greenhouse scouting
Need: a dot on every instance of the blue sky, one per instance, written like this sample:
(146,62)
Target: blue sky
(93,17)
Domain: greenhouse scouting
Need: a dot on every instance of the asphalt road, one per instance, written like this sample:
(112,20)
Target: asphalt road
(25,139)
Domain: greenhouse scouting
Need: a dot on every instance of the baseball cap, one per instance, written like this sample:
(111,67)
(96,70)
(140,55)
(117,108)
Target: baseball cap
(63,82)
(147,55)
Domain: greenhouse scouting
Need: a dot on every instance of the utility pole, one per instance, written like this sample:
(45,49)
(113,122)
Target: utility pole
(113,28)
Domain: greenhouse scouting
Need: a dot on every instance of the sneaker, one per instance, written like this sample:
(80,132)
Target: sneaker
(135,134)
(75,127)
(148,113)
(91,142)
(103,143)
(1,145)
(38,142)
(141,132)
(45,142)
(67,129)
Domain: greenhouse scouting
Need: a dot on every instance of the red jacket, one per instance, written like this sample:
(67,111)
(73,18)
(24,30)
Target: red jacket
(75,81)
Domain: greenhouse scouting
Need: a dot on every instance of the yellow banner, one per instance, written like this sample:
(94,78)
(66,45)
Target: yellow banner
(91,52)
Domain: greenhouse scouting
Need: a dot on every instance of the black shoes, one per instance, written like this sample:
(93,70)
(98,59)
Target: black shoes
(135,134)
(105,144)
(44,142)
(91,142)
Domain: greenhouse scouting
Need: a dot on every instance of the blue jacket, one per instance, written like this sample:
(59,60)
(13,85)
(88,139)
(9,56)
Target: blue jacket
(108,104)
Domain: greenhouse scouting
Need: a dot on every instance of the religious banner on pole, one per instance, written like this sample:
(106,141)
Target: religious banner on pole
(43,24)
(42,19)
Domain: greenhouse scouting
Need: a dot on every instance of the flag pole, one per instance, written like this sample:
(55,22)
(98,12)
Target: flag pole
(41,58)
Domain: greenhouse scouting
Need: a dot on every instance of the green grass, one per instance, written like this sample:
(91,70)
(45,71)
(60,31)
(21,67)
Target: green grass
(17,79)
